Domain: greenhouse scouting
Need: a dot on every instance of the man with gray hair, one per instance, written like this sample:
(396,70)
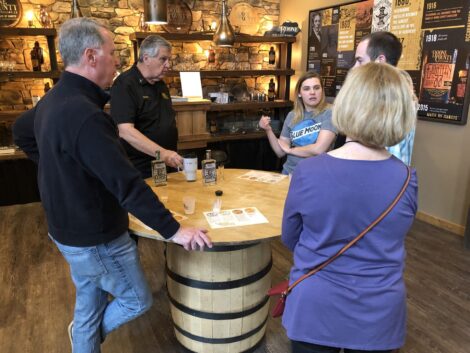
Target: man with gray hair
(88,186)
(141,106)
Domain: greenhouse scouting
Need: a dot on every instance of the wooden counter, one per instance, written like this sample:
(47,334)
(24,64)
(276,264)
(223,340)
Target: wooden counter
(268,198)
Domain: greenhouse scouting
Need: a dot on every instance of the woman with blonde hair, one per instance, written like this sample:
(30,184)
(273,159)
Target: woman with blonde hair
(358,301)
(307,130)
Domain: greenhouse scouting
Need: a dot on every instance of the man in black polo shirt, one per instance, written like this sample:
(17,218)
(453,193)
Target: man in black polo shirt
(141,106)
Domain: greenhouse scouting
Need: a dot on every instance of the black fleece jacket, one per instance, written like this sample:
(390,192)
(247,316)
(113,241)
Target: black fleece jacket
(86,181)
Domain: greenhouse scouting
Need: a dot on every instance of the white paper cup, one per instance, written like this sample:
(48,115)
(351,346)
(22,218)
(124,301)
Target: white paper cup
(189,204)
(190,168)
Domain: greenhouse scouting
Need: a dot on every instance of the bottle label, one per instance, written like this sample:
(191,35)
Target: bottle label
(158,173)
(209,173)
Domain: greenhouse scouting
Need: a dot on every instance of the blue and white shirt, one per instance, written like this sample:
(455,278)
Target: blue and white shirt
(404,149)
(304,133)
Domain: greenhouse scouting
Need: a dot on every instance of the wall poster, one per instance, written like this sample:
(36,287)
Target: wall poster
(435,35)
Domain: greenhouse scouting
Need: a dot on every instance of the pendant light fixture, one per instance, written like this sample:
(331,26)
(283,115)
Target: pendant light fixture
(155,12)
(224,36)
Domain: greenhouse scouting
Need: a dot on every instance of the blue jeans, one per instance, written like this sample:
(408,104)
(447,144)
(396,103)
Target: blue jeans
(112,268)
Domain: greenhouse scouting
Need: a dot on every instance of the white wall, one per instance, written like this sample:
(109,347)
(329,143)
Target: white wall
(441,152)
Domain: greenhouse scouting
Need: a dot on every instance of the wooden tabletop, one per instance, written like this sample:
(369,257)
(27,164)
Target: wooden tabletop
(237,193)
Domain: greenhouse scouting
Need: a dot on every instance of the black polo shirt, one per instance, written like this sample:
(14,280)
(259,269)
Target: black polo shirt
(148,107)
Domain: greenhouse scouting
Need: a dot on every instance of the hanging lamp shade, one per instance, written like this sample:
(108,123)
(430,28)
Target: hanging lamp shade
(224,36)
(155,12)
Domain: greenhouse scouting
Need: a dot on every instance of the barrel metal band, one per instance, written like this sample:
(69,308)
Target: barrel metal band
(222,340)
(218,316)
(223,248)
(249,350)
(193,283)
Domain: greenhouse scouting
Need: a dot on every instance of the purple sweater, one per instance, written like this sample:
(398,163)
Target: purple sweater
(359,300)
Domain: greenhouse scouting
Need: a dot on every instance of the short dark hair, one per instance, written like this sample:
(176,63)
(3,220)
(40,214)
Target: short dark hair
(384,43)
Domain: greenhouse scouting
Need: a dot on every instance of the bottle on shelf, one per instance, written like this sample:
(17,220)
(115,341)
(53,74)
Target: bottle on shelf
(44,17)
(272,56)
(213,126)
(211,58)
(158,170)
(37,58)
(271,90)
(209,170)
(75,12)
(143,26)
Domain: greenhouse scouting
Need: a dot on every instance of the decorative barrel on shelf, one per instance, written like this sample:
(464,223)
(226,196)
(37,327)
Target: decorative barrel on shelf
(218,297)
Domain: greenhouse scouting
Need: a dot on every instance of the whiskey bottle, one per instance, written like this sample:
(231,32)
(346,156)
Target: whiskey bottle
(209,170)
(75,11)
(272,56)
(271,90)
(211,58)
(143,26)
(45,18)
(158,170)
(37,58)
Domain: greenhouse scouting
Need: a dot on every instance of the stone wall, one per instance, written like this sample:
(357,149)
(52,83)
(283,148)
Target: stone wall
(122,17)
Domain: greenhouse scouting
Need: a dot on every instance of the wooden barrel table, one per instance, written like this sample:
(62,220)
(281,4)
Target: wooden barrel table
(218,296)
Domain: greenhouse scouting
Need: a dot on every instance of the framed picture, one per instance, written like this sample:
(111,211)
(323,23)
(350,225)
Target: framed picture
(435,35)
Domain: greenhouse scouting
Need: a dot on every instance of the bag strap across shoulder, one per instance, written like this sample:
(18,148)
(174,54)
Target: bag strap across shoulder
(357,238)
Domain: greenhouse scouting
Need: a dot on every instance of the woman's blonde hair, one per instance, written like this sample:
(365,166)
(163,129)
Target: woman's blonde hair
(299,107)
(376,105)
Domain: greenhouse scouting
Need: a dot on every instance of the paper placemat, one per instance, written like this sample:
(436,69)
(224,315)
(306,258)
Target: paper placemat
(235,217)
(263,177)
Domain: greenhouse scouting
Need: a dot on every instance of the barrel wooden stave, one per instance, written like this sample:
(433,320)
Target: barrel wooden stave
(247,270)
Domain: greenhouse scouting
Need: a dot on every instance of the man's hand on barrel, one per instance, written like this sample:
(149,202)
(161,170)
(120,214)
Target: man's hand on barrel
(192,238)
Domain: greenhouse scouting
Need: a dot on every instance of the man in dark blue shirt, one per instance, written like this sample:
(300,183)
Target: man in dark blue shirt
(88,186)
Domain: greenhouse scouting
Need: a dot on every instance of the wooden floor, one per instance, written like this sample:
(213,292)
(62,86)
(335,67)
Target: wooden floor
(37,296)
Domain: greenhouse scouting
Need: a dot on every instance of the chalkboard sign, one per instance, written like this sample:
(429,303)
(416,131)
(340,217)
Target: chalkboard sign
(10,12)
(435,35)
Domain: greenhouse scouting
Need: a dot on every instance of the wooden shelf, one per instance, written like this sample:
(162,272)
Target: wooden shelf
(10,115)
(216,107)
(239,73)
(17,155)
(201,141)
(50,34)
(30,74)
(237,136)
(14,31)
(241,38)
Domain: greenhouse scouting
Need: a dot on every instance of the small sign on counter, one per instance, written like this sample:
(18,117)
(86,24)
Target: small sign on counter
(263,177)
(235,217)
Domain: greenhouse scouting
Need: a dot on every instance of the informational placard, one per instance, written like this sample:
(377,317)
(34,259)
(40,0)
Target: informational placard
(235,218)
(191,84)
(263,177)
(435,35)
